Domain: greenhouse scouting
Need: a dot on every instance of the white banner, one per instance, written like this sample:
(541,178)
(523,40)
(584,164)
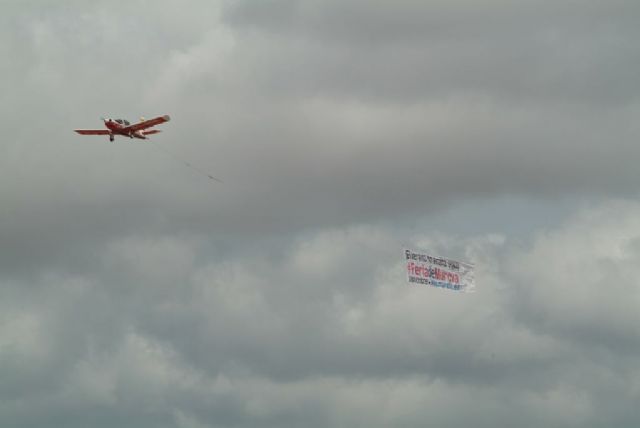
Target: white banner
(439,272)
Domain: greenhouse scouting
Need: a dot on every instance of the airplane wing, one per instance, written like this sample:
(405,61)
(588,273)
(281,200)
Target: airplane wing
(147,123)
(92,131)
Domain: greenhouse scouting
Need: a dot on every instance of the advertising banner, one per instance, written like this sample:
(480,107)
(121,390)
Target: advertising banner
(439,272)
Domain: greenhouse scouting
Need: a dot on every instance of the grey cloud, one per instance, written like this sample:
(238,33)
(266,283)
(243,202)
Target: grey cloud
(135,292)
(329,329)
(421,49)
(305,133)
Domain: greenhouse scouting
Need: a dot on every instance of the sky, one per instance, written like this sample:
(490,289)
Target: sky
(136,292)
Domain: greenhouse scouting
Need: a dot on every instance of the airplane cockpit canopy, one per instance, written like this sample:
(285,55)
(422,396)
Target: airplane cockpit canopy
(123,122)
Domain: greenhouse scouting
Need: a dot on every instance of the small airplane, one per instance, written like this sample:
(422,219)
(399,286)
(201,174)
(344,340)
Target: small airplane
(126,129)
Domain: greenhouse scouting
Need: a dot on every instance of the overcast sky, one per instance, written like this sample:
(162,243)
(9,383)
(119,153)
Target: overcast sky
(136,292)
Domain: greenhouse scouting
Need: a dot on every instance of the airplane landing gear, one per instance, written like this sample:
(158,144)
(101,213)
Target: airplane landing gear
(111,138)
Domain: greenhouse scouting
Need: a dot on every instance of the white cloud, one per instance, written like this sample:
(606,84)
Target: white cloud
(582,282)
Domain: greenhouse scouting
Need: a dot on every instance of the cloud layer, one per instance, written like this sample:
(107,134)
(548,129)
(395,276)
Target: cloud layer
(329,333)
(136,292)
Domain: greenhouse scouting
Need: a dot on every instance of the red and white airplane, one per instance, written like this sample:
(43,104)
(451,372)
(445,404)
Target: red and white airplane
(126,129)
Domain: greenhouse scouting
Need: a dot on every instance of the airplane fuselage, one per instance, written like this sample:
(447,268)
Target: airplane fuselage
(117,127)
